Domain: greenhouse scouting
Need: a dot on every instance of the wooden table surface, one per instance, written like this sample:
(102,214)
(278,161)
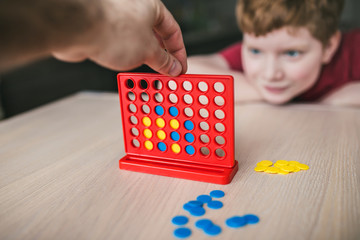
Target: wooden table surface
(59,176)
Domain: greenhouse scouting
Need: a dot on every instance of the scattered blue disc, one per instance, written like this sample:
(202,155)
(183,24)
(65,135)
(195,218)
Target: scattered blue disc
(215,204)
(189,137)
(182,232)
(217,194)
(173,111)
(197,211)
(204,198)
(175,136)
(161,146)
(187,206)
(236,222)
(189,125)
(190,150)
(213,230)
(180,220)
(203,223)
(251,219)
(196,203)
(159,110)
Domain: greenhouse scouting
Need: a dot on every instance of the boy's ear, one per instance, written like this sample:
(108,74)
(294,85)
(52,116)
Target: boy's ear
(331,47)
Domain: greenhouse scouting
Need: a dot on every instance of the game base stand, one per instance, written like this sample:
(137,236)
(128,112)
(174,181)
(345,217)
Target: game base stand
(178,126)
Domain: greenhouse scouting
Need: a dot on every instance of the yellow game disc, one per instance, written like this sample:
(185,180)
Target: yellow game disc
(296,168)
(282,162)
(282,172)
(293,163)
(277,165)
(287,168)
(148,145)
(265,163)
(146,121)
(303,166)
(147,133)
(272,170)
(160,122)
(174,124)
(175,148)
(260,168)
(161,134)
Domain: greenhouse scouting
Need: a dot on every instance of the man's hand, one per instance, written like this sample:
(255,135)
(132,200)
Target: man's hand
(117,34)
(132,32)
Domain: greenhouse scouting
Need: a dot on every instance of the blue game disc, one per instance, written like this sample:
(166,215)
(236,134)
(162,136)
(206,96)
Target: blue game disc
(195,203)
(187,206)
(189,137)
(159,110)
(175,136)
(251,219)
(197,211)
(189,149)
(180,220)
(203,223)
(236,222)
(217,194)
(204,198)
(213,230)
(173,111)
(192,204)
(161,146)
(182,232)
(215,204)
(189,125)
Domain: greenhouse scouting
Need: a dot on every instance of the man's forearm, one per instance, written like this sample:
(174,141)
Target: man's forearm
(116,34)
(32,29)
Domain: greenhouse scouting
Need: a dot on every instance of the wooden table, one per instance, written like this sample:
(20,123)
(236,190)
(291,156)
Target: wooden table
(59,176)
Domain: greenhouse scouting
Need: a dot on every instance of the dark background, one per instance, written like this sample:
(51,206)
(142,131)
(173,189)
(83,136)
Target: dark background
(207,26)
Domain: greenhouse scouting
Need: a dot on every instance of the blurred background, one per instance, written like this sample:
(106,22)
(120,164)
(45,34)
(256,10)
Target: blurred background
(208,26)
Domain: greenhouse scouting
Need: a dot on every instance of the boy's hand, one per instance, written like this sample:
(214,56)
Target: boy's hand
(131,33)
(347,95)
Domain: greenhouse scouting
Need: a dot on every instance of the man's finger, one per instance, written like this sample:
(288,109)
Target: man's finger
(163,62)
(170,33)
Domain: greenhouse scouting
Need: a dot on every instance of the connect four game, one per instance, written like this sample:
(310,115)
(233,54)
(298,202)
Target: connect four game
(178,126)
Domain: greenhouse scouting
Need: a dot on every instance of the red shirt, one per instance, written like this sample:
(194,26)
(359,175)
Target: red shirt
(344,67)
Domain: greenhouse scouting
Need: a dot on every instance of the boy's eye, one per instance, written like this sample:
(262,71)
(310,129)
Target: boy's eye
(292,53)
(254,51)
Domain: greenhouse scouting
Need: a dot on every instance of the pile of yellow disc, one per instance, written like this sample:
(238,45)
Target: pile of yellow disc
(280,167)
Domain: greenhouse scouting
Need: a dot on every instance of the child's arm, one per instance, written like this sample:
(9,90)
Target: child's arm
(348,95)
(216,64)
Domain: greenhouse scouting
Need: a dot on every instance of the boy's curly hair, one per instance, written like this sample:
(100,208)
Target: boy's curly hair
(320,17)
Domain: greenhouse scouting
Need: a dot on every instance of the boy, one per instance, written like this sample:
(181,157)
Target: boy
(291,50)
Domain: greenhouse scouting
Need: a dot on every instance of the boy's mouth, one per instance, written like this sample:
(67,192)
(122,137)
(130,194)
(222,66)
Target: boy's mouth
(275,90)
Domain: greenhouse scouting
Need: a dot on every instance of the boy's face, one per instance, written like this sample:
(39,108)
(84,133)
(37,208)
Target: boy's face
(282,64)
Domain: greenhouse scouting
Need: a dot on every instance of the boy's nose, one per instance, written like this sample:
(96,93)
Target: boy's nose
(272,70)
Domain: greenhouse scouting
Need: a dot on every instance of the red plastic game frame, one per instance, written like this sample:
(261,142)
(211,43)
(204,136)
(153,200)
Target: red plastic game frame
(206,168)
